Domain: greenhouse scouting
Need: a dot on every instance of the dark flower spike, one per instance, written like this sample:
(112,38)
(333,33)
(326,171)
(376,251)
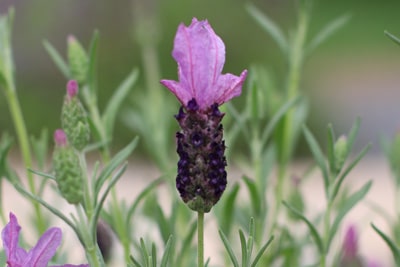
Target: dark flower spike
(201,89)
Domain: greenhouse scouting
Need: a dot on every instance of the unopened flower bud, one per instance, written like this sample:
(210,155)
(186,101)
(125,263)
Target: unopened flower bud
(74,118)
(68,172)
(78,60)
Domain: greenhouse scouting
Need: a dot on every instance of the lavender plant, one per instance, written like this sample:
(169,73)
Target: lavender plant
(260,137)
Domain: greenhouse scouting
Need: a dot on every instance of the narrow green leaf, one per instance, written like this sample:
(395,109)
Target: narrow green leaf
(331,149)
(269,26)
(270,127)
(42,174)
(229,249)
(313,231)
(353,134)
(115,103)
(167,252)
(243,245)
(318,156)
(226,213)
(345,208)
(139,198)
(114,163)
(340,180)
(393,247)
(255,198)
(261,252)
(143,251)
(239,118)
(57,59)
(99,205)
(327,31)
(135,262)
(392,37)
(154,255)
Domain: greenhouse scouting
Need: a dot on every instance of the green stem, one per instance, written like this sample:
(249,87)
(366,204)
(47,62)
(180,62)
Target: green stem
(200,239)
(327,226)
(23,140)
(295,57)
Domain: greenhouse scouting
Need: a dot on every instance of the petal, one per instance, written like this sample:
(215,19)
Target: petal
(228,87)
(200,55)
(40,255)
(183,95)
(10,237)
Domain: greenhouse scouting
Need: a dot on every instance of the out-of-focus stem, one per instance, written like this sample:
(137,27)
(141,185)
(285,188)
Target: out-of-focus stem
(23,140)
(295,58)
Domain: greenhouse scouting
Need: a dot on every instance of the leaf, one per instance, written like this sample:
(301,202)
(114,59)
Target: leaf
(340,180)
(243,245)
(269,26)
(313,231)
(393,247)
(116,100)
(139,198)
(261,252)
(353,134)
(57,59)
(256,200)
(114,163)
(345,208)
(331,149)
(318,156)
(229,249)
(227,211)
(327,31)
(392,37)
(167,252)
(269,128)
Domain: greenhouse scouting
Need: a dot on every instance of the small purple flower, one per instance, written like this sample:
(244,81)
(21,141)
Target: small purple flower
(350,257)
(201,89)
(350,243)
(200,55)
(39,255)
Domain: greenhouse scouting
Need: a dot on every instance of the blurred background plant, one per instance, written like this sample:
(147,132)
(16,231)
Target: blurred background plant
(345,71)
(340,81)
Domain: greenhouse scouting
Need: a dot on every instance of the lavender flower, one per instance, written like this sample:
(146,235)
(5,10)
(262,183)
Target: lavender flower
(201,89)
(39,255)
(350,257)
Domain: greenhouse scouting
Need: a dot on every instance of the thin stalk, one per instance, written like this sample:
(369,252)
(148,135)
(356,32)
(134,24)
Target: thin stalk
(23,140)
(327,226)
(200,239)
(295,57)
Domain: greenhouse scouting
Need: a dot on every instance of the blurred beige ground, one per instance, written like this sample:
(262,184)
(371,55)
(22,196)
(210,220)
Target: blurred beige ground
(140,174)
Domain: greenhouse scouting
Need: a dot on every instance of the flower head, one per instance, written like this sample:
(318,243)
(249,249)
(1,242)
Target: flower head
(201,89)
(200,55)
(39,255)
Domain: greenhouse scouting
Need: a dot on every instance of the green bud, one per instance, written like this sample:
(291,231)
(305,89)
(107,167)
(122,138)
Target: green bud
(67,170)
(340,151)
(74,119)
(78,60)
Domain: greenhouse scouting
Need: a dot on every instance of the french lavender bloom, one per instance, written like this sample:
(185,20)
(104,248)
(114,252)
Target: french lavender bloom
(39,255)
(201,89)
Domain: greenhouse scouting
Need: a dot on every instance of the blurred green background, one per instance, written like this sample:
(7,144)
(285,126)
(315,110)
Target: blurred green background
(355,73)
